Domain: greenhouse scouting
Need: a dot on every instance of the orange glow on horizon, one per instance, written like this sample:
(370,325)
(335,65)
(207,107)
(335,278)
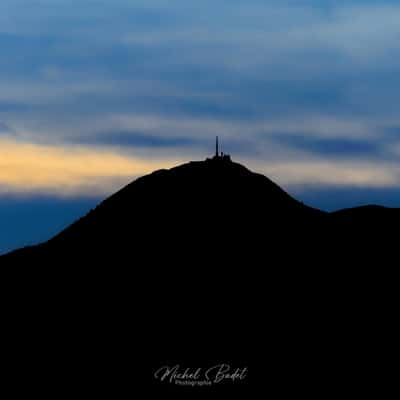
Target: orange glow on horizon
(68,170)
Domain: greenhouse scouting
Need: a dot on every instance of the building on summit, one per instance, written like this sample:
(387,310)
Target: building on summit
(220,156)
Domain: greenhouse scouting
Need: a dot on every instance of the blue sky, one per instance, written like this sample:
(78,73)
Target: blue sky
(95,93)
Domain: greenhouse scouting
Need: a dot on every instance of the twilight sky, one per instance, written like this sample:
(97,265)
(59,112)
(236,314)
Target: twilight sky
(94,93)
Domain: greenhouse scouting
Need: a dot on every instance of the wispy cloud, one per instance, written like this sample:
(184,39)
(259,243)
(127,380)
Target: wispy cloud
(347,174)
(5,129)
(68,170)
(293,88)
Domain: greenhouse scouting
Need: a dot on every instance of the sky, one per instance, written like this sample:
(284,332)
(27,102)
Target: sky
(94,93)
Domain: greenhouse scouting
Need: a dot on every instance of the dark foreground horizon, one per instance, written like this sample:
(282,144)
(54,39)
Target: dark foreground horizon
(205,264)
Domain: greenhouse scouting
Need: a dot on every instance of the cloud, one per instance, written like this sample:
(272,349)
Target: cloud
(269,32)
(138,139)
(346,174)
(308,84)
(5,129)
(29,92)
(333,147)
(68,170)
(82,171)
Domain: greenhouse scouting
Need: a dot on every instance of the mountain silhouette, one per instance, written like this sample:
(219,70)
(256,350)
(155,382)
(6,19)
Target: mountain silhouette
(201,202)
(205,263)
